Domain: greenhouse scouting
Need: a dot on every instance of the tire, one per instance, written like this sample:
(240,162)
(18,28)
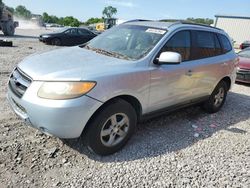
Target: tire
(111,128)
(217,98)
(6,43)
(8,28)
(56,42)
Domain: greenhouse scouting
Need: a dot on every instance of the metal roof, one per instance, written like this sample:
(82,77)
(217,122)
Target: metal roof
(231,16)
(166,25)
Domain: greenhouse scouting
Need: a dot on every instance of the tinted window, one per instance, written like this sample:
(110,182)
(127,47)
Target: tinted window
(71,32)
(180,43)
(206,45)
(83,32)
(226,44)
(218,50)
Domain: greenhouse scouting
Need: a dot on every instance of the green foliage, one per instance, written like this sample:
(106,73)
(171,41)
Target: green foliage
(21,11)
(12,10)
(66,21)
(109,11)
(205,21)
(93,21)
(71,21)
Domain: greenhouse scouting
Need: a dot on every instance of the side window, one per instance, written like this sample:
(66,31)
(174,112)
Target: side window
(83,32)
(206,45)
(71,32)
(226,44)
(68,32)
(218,50)
(180,43)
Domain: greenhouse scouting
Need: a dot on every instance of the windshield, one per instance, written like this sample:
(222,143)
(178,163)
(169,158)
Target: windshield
(126,41)
(62,30)
(245,53)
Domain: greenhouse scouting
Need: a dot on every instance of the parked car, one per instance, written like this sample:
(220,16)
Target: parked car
(68,37)
(243,71)
(245,44)
(131,72)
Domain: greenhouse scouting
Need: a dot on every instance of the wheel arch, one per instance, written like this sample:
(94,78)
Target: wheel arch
(228,81)
(133,101)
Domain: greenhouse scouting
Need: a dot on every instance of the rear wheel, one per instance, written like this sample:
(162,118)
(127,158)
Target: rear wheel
(217,98)
(111,128)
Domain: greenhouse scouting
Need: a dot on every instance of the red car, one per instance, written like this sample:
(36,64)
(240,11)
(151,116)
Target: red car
(243,71)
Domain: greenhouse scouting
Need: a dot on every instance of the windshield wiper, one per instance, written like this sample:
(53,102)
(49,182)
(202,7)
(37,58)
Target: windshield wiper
(108,53)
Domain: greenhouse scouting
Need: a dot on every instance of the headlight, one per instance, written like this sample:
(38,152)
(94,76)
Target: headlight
(45,36)
(64,90)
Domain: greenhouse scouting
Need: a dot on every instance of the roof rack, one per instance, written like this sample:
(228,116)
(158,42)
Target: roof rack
(192,23)
(137,20)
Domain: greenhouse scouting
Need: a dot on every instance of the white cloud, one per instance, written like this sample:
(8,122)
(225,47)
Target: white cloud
(121,3)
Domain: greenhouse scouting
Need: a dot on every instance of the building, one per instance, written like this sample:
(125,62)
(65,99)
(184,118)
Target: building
(238,27)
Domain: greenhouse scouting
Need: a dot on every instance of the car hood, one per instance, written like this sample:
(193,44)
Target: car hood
(244,63)
(72,64)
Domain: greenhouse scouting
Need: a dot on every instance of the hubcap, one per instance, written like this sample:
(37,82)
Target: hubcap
(219,97)
(114,129)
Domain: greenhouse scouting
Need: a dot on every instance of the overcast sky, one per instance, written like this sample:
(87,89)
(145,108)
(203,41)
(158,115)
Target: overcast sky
(133,9)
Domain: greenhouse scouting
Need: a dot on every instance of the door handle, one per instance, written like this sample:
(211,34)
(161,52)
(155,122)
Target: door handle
(189,73)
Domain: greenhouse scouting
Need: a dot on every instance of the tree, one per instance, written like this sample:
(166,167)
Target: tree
(21,11)
(109,11)
(71,21)
(12,10)
(93,21)
(46,18)
(205,21)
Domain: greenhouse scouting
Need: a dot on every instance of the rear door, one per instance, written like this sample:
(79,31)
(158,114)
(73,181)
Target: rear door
(206,65)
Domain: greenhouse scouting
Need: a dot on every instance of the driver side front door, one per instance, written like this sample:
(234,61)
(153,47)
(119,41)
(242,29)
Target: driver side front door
(172,84)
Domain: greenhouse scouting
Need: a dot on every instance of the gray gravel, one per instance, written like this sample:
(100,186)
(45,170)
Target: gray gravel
(188,148)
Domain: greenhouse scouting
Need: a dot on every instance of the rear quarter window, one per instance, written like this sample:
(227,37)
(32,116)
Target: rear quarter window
(226,44)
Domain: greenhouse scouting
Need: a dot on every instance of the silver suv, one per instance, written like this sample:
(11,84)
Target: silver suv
(130,72)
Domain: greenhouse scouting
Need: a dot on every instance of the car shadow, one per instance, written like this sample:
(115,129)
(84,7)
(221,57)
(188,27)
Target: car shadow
(242,83)
(176,131)
(18,37)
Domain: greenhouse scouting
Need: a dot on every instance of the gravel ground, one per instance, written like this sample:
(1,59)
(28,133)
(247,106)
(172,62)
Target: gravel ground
(188,148)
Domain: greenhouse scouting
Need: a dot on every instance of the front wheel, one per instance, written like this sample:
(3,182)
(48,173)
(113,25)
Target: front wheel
(111,128)
(56,42)
(217,98)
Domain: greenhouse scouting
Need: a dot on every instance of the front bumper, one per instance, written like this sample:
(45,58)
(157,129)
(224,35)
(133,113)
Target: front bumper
(60,118)
(243,75)
(42,39)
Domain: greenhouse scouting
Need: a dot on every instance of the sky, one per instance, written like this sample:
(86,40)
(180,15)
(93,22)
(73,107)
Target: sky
(137,9)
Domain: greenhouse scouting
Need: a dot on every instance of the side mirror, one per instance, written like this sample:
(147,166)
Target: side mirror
(169,58)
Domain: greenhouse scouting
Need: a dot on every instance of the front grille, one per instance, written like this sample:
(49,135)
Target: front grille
(19,82)
(243,71)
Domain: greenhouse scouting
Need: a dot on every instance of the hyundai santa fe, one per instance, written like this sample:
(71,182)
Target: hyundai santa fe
(101,89)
